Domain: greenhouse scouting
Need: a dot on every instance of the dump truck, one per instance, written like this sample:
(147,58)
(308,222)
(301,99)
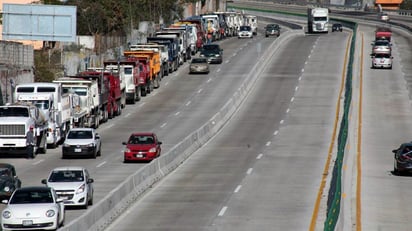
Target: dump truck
(56,106)
(151,58)
(172,45)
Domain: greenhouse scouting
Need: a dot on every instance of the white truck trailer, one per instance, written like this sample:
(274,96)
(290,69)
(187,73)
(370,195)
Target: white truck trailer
(87,112)
(15,120)
(55,105)
(318,20)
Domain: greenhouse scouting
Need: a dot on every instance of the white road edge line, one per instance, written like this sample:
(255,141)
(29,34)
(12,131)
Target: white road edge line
(101,164)
(38,162)
(222,211)
(249,171)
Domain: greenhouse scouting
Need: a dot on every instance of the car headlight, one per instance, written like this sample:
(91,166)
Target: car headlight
(91,145)
(7,189)
(217,55)
(81,189)
(202,55)
(50,213)
(66,145)
(6,214)
(127,150)
(152,150)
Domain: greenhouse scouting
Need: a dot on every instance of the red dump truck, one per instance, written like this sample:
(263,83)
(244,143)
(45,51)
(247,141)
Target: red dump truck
(383,33)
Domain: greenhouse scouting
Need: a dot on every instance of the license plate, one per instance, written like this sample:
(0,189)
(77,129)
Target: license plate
(64,198)
(139,155)
(27,222)
(77,150)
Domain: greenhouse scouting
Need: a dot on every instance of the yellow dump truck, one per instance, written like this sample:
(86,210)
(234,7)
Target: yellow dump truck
(152,59)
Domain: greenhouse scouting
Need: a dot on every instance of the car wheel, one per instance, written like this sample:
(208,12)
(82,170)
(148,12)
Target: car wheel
(86,205)
(91,201)
(99,153)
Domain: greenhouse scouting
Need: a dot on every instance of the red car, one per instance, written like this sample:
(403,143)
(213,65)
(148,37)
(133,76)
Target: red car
(142,147)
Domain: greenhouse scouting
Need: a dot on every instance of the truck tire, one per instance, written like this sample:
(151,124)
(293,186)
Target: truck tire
(143,91)
(156,83)
(119,108)
(138,94)
(111,113)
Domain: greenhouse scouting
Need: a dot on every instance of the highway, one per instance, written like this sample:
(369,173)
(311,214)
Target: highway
(264,168)
(262,171)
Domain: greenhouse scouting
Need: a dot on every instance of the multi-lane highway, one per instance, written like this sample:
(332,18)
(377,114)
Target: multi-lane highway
(264,169)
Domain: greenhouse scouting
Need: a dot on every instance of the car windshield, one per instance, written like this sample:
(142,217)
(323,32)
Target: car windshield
(66,176)
(245,28)
(5,172)
(199,60)
(381,56)
(272,27)
(141,139)
(381,43)
(29,197)
(210,47)
(80,135)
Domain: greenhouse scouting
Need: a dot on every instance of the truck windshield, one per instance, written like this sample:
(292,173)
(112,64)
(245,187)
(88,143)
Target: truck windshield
(42,104)
(320,18)
(81,91)
(128,70)
(14,111)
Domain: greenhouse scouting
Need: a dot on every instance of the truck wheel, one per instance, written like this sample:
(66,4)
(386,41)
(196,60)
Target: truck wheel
(111,113)
(119,108)
(138,94)
(156,82)
(143,91)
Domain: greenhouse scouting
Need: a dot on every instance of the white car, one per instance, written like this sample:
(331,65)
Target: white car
(245,32)
(380,60)
(31,208)
(82,142)
(72,184)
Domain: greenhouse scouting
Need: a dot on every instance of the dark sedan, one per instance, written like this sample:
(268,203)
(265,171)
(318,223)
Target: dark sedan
(8,180)
(212,52)
(403,158)
(337,27)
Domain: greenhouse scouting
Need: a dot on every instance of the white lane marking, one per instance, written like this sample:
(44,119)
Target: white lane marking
(127,115)
(287,110)
(276,132)
(209,80)
(109,126)
(167,83)
(38,162)
(155,93)
(234,54)
(227,61)
(188,103)
(142,104)
(296,88)
(200,90)
(249,171)
(300,78)
(222,211)
(268,143)
(177,113)
(282,121)
(218,70)
(292,99)
(163,125)
(237,189)
(303,69)
(259,156)
(101,164)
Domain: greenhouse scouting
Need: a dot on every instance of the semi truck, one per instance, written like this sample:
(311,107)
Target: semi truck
(55,105)
(15,121)
(318,20)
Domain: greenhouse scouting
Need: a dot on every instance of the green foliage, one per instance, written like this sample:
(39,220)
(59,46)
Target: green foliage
(406,5)
(47,64)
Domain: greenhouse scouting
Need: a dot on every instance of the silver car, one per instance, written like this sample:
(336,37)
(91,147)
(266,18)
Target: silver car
(72,184)
(199,65)
(382,60)
(82,142)
(381,46)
